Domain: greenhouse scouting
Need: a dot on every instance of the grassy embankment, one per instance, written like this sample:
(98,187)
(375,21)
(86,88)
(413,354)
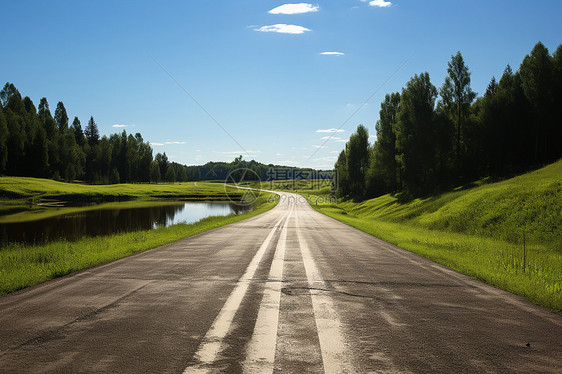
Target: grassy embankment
(24,265)
(23,194)
(507,234)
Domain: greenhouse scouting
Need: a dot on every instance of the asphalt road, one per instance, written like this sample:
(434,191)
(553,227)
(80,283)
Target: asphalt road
(289,291)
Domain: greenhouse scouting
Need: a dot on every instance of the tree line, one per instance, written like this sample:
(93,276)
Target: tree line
(35,143)
(242,170)
(430,139)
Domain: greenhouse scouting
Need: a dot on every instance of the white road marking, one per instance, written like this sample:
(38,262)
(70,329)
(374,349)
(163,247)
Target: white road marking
(335,354)
(212,343)
(260,355)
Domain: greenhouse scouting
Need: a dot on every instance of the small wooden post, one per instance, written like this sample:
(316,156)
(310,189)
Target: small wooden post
(524,253)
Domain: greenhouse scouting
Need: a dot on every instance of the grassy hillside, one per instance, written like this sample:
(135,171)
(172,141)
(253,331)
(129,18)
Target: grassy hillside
(508,234)
(530,203)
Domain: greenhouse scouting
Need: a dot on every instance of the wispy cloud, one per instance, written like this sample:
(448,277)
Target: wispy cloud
(331,130)
(154,144)
(174,142)
(119,126)
(294,9)
(335,151)
(283,29)
(330,137)
(379,3)
(325,159)
(332,53)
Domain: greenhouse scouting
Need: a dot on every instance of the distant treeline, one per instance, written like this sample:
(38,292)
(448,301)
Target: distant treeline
(241,170)
(423,147)
(35,143)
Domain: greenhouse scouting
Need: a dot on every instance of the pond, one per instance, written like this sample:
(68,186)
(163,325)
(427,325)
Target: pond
(110,219)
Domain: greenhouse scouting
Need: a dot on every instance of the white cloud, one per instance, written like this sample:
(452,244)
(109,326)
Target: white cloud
(294,9)
(342,140)
(156,144)
(319,146)
(332,53)
(283,29)
(328,159)
(119,126)
(335,151)
(330,137)
(170,142)
(331,130)
(279,154)
(380,3)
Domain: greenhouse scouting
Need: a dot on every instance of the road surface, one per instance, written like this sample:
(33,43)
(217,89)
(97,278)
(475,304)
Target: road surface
(288,291)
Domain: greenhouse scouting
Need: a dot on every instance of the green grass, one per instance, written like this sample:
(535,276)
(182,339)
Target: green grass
(22,266)
(479,231)
(23,193)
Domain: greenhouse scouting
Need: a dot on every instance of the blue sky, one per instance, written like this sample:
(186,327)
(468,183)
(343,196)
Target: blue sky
(256,66)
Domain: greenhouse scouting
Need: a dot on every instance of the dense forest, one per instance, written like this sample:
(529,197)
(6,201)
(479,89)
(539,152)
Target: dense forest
(35,143)
(423,146)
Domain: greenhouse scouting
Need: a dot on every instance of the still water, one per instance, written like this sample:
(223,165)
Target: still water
(107,221)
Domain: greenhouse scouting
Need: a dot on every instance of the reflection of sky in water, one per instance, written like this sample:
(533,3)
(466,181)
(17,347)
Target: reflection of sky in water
(193,212)
(104,221)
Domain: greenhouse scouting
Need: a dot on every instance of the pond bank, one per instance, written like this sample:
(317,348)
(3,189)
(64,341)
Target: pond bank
(25,265)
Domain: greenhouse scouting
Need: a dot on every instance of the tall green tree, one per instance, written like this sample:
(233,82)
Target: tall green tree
(537,78)
(163,163)
(415,134)
(144,159)
(170,175)
(3,143)
(92,133)
(17,137)
(341,175)
(78,133)
(457,95)
(383,160)
(557,94)
(45,116)
(154,172)
(38,153)
(61,117)
(358,160)
(10,98)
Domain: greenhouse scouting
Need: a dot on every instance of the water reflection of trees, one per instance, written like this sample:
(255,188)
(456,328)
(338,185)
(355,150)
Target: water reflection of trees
(95,223)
